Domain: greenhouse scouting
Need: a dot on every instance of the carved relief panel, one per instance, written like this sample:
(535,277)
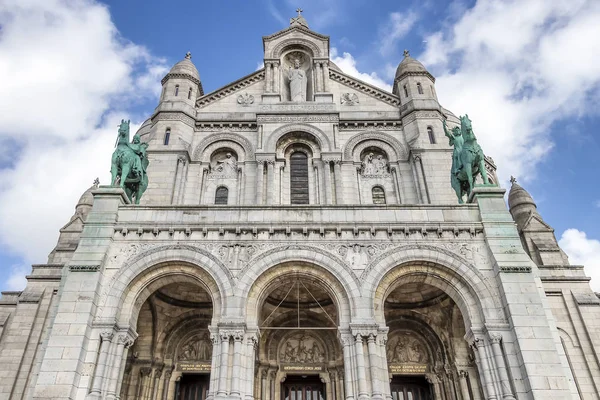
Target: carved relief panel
(197,348)
(302,349)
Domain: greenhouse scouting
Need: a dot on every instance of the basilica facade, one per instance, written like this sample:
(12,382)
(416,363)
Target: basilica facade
(299,238)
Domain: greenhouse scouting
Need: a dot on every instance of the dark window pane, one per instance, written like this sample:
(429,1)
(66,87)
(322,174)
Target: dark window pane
(378,195)
(299,178)
(221,195)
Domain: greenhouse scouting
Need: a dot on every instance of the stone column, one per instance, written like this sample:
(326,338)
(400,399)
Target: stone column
(482,362)
(166,381)
(347,340)
(321,178)
(260,176)
(375,370)
(270,181)
(182,180)
(385,375)
(326,76)
(277,183)
(319,73)
(263,384)
(316,175)
(327,180)
(360,368)
(464,385)
(267,76)
(276,77)
(397,185)
(203,184)
(416,180)
(337,170)
(214,365)
(122,342)
(122,371)
(145,373)
(222,391)
(501,367)
(105,338)
(251,343)
(236,379)
(157,374)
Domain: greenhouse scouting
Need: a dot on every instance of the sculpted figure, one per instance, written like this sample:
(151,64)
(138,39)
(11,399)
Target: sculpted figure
(468,159)
(367,165)
(129,163)
(380,165)
(228,165)
(297,79)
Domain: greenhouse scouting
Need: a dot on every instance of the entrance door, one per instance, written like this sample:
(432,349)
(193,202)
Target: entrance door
(193,387)
(306,387)
(410,388)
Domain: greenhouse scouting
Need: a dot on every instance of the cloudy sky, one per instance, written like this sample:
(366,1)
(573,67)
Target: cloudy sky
(526,71)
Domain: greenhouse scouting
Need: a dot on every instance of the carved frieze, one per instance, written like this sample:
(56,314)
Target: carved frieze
(349,99)
(304,107)
(261,119)
(197,348)
(245,99)
(374,166)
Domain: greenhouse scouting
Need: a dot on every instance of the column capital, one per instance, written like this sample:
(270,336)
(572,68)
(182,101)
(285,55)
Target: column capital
(495,338)
(145,371)
(463,374)
(107,336)
(347,339)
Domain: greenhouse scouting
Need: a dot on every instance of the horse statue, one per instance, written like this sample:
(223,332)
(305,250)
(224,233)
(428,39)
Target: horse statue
(129,163)
(467,158)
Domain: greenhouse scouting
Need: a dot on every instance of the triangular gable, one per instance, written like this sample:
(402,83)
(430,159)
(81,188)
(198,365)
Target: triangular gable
(364,87)
(74,225)
(231,88)
(536,223)
(291,29)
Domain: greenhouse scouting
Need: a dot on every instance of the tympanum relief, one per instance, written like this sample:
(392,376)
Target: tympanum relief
(224,165)
(374,165)
(406,348)
(197,348)
(301,349)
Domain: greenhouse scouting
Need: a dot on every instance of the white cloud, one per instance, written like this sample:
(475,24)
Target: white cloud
(516,67)
(16,280)
(397,26)
(72,77)
(347,63)
(583,251)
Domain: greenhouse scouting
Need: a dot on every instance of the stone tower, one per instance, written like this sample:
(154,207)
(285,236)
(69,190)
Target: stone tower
(299,238)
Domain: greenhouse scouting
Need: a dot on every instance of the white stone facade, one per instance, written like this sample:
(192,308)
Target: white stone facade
(378,284)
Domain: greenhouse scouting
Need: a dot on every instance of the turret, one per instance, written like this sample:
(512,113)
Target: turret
(520,204)
(414,82)
(182,83)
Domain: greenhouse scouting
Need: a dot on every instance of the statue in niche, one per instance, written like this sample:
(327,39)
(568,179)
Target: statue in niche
(227,165)
(373,165)
(297,78)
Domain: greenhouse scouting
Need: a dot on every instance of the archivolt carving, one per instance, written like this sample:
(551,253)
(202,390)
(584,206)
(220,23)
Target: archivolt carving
(399,150)
(242,141)
(320,136)
(277,50)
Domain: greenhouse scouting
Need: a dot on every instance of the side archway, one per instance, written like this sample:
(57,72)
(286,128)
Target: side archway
(134,282)
(435,267)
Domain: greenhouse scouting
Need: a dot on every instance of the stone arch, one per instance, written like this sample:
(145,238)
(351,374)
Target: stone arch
(384,147)
(211,149)
(320,137)
(295,42)
(233,137)
(308,145)
(399,149)
(339,280)
(142,275)
(437,267)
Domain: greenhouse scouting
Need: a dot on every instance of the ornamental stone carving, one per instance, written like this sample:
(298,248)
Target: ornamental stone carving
(224,167)
(406,348)
(245,99)
(297,80)
(302,349)
(374,166)
(349,99)
(197,348)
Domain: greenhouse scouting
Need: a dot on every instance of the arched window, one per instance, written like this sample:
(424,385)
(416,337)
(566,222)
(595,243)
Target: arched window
(378,195)
(299,178)
(419,88)
(405,91)
(221,195)
(431,135)
(190,94)
(167,136)
(176,90)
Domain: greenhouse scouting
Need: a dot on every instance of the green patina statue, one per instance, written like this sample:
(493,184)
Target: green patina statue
(129,163)
(467,159)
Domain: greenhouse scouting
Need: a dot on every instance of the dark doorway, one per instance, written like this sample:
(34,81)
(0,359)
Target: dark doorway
(193,387)
(305,387)
(410,388)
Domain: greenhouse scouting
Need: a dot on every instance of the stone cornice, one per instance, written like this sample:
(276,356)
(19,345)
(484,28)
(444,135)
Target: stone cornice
(183,76)
(415,73)
(364,87)
(285,31)
(174,116)
(230,88)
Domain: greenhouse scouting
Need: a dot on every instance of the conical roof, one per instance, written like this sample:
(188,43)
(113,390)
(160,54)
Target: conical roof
(409,64)
(186,66)
(87,198)
(519,196)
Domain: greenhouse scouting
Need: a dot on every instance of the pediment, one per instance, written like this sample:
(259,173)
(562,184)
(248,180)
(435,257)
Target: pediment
(74,225)
(233,87)
(536,223)
(364,87)
(293,37)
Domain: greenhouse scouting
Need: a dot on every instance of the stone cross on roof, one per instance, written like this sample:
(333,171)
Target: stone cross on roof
(513,180)
(299,20)
(96,182)
(188,55)
(299,11)
(406,53)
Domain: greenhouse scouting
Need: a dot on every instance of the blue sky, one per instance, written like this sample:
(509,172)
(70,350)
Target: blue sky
(526,71)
